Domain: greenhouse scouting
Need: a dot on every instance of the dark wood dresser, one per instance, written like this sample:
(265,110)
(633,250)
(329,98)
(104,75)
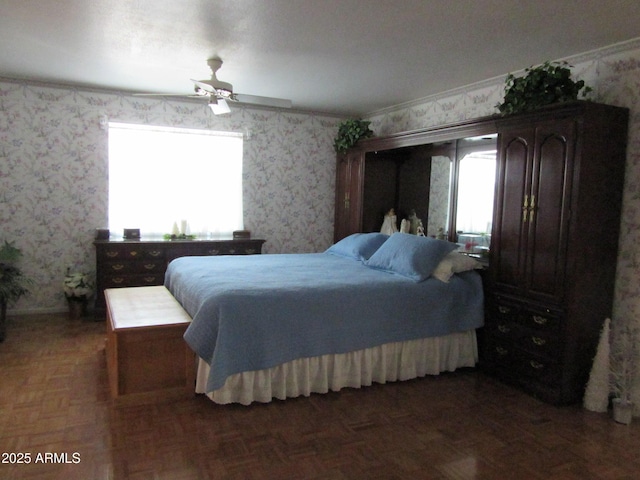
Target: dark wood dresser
(141,263)
(554,245)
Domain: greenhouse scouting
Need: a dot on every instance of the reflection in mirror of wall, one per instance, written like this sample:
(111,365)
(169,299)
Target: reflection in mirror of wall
(439,195)
(475,190)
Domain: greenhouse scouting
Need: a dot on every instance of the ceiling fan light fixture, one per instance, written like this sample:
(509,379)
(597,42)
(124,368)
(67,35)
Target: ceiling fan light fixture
(219,106)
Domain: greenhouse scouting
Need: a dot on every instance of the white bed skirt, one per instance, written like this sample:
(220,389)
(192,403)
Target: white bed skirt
(386,363)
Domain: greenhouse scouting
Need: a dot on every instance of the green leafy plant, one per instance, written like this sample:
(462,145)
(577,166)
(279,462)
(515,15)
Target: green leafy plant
(349,132)
(13,284)
(542,85)
(178,236)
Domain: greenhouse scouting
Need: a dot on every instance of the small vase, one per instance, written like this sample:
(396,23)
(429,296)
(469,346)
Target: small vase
(622,411)
(77,308)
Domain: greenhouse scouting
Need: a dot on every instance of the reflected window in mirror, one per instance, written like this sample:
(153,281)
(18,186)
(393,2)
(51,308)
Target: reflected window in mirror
(475,190)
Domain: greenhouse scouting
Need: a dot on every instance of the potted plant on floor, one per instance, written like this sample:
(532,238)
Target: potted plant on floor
(13,284)
(624,358)
(78,287)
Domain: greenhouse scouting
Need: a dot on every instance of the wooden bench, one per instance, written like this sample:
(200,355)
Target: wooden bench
(147,358)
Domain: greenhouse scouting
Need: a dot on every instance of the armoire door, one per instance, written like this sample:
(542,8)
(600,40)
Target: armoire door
(532,208)
(550,210)
(348,203)
(509,236)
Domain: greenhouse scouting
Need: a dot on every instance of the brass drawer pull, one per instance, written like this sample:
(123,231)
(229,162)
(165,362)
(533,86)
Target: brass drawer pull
(213,252)
(503,329)
(112,254)
(503,309)
(538,341)
(536,365)
(149,279)
(150,266)
(117,280)
(155,253)
(502,351)
(133,254)
(250,251)
(117,267)
(540,320)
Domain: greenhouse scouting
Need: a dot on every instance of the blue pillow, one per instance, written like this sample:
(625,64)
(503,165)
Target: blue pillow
(359,245)
(411,256)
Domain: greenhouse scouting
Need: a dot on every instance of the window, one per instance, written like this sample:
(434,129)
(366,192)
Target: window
(160,177)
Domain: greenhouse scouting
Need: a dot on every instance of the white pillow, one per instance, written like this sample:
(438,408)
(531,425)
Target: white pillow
(454,262)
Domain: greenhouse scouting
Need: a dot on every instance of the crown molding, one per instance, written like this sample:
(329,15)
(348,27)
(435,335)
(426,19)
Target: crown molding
(591,55)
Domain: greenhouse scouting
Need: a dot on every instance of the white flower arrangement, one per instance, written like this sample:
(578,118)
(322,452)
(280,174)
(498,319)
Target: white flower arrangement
(77,286)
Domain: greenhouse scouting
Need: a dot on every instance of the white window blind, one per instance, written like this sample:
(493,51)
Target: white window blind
(160,177)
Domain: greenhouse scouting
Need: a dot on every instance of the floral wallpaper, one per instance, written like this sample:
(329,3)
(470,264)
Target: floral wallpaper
(614,74)
(54,185)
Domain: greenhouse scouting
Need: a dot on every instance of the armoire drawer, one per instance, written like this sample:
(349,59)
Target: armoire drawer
(518,362)
(528,314)
(536,342)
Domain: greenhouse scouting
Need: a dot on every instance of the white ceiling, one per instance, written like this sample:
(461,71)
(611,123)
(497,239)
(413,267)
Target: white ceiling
(341,56)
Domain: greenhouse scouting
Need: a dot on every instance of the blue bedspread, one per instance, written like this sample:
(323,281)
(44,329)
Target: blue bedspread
(258,311)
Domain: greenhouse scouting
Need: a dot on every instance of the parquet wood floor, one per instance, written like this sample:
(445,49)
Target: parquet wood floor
(54,399)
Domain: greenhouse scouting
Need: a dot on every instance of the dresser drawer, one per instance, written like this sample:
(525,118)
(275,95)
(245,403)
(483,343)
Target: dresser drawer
(536,342)
(541,318)
(530,315)
(130,252)
(516,362)
(539,343)
(504,310)
(503,329)
(133,280)
(143,265)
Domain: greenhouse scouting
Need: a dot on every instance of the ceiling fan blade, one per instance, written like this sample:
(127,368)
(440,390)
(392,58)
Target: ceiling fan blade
(204,86)
(181,95)
(264,101)
(219,106)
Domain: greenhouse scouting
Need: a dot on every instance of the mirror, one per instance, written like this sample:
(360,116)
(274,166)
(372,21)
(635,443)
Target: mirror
(448,185)
(439,197)
(413,181)
(474,191)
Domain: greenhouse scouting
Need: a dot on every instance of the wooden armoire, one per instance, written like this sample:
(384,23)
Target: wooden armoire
(549,283)
(554,245)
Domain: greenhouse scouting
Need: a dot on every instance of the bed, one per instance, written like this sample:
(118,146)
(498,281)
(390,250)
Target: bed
(372,308)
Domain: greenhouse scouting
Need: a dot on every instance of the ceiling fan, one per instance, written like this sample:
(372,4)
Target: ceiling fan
(219,93)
